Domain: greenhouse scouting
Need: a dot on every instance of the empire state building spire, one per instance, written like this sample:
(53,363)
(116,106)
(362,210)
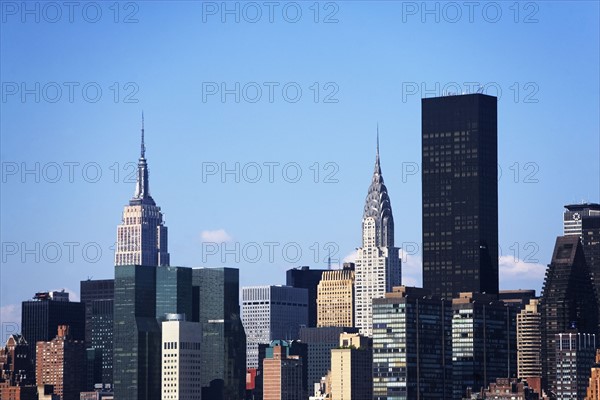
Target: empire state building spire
(142,234)
(142,187)
(378,264)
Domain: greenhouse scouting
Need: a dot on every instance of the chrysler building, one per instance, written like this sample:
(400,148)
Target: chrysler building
(142,235)
(378,261)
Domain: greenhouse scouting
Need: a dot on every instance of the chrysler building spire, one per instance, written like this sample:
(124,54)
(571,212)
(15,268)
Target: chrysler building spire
(378,207)
(378,264)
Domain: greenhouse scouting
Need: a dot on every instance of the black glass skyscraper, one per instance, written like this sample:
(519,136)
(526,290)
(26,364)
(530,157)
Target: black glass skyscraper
(460,194)
(98,298)
(568,302)
(223,343)
(583,220)
(42,315)
(306,278)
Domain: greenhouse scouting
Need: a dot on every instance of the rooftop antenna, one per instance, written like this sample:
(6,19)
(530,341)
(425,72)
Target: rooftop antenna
(377,139)
(143,148)
(329,260)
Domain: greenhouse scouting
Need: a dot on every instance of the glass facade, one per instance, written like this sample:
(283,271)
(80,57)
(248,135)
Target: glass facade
(460,194)
(568,301)
(412,346)
(173,292)
(98,297)
(137,337)
(223,350)
(306,278)
(483,342)
(575,353)
(41,318)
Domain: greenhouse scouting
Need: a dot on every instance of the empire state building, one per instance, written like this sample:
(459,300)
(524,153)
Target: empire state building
(378,261)
(142,235)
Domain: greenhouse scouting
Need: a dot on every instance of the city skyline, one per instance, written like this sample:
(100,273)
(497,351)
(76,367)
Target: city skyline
(223,211)
(221,236)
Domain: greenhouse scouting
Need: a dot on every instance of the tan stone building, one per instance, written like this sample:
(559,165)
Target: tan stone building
(529,345)
(61,363)
(351,366)
(335,298)
(593,390)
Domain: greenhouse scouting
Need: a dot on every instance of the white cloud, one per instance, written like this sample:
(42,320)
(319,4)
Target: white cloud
(216,236)
(351,257)
(515,267)
(10,319)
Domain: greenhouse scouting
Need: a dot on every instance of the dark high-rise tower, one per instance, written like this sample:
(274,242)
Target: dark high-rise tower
(142,235)
(583,220)
(98,298)
(460,194)
(136,354)
(223,350)
(568,301)
(304,277)
(173,292)
(42,315)
(412,345)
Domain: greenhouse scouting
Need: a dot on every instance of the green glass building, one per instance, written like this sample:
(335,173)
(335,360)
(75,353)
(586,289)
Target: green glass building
(173,292)
(137,337)
(215,293)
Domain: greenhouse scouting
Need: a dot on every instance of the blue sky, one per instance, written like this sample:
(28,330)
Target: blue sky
(371,66)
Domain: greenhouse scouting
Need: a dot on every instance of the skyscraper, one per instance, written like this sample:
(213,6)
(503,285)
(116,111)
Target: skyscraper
(98,298)
(483,342)
(412,346)
(269,313)
(335,298)
(173,292)
(223,351)
(460,194)
(42,315)
(583,220)
(378,261)
(575,214)
(136,334)
(181,359)
(142,235)
(306,278)
(575,354)
(568,302)
(529,345)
